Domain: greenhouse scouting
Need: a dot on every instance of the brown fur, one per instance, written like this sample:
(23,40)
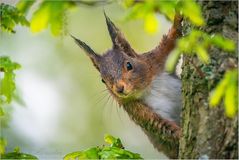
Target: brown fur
(164,134)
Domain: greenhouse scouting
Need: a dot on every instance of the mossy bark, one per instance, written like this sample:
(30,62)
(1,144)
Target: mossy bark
(207,132)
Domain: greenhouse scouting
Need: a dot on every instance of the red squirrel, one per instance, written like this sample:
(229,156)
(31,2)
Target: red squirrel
(138,82)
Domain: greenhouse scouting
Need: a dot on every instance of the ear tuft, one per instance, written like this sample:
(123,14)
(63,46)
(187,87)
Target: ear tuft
(90,52)
(113,30)
(118,40)
(84,46)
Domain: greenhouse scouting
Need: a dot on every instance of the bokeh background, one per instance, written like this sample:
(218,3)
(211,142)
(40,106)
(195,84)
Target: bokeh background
(64,107)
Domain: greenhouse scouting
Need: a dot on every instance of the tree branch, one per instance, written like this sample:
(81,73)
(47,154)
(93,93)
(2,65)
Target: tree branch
(94,3)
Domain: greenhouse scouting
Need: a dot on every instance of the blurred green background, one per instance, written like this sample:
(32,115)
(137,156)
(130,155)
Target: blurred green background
(65,106)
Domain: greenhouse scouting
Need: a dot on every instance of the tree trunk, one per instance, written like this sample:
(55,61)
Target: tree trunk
(207,132)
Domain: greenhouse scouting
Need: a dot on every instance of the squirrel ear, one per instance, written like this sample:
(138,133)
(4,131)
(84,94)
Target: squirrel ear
(95,58)
(119,42)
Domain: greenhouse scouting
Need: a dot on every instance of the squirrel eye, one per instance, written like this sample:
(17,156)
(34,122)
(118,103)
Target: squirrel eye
(102,81)
(129,66)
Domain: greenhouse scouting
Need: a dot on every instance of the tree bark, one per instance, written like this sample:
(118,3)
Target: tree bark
(207,132)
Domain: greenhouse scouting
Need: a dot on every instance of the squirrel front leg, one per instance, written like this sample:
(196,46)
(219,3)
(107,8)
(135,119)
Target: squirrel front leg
(163,134)
(160,53)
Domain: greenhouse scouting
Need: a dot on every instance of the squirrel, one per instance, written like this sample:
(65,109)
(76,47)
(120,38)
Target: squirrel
(138,82)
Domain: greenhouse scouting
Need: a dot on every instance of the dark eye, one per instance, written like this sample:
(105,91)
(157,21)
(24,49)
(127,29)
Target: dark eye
(102,81)
(129,66)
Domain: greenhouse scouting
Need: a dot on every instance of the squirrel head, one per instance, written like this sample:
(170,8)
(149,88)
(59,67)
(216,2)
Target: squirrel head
(125,73)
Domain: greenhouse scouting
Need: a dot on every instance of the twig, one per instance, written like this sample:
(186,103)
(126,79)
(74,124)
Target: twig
(199,71)
(95,3)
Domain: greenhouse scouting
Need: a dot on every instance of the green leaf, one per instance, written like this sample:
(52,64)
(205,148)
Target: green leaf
(172,60)
(167,8)
(227,87)
(109,139)
(50,13)
(202,54)
(224,43)
(183,45)
(3,144)
(24,5)
(151,23)
(218,93)
(40,18)
(117,153)
(229,101)
(17,149)
(7,65)
(114,142)
(7,86)
(91,153)
(15,155)
(73,155)
(192,11)
(128,3)
(7,83)
(231,95)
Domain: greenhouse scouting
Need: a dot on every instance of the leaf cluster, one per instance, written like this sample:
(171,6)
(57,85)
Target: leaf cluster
(114,151)
(197,43)
(16,154)
(10,17)
(146,10)
(50,13)
(226,90)
(7,81)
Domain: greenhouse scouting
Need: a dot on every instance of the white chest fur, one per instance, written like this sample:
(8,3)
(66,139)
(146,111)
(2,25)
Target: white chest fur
(164,97)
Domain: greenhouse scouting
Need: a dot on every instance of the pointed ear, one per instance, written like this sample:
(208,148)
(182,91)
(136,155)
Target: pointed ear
(95,58)
(118,40)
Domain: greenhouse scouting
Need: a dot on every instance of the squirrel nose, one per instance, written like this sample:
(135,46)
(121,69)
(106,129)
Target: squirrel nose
(120,89)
